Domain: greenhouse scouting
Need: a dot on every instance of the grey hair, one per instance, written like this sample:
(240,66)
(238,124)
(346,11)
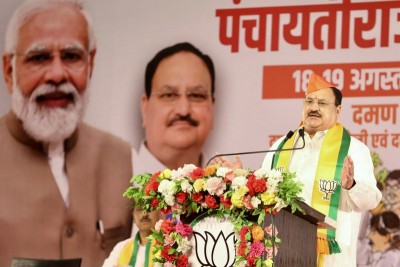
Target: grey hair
(31,7)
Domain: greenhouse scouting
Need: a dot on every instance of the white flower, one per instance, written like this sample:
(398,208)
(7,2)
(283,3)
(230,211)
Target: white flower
(262,172)
(158,264)
(178,174)
(274,178)
(183,245)
(186,186)
(275,174)
(188,168)
(279,204)
(222,171)
(215,186)
(255,201)
(169,199)
(166,187)
(238,181)
(158,225)
(272,185)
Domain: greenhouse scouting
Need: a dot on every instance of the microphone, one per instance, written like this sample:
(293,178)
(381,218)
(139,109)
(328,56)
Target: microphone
(288,136)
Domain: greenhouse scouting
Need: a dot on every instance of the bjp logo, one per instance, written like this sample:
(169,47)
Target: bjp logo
(328,187)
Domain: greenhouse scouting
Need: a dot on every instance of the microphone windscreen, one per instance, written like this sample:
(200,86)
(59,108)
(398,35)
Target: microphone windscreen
(289,134)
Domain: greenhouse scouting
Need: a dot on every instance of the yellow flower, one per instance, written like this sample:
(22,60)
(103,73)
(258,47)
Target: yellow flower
(166,174)
(210,170)
(269,263)
(199,185)
(158,255)
(257,233)
(267,198)
(237,200)
(242,190)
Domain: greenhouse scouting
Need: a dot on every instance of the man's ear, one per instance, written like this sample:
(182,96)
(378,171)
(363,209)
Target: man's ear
(8,71)
(339,110)
(92,55)
(143,106)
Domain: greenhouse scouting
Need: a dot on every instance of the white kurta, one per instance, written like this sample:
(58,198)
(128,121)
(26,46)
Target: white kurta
(363,196)
(112,260)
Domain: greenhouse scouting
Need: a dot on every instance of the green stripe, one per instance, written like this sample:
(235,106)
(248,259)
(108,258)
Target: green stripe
(146,259)
(335,197)
(132,262)
(276,156)
(136,245)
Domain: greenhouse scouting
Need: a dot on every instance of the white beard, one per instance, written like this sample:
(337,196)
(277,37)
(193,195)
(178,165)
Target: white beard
(49,125)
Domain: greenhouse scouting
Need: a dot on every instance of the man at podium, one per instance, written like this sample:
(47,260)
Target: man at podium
(335,168)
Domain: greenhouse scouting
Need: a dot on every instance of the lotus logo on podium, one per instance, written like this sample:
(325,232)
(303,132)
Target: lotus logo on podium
(213,242)
(215,251)
(328,187)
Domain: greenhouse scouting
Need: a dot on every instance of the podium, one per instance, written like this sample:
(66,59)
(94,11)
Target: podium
(298,232)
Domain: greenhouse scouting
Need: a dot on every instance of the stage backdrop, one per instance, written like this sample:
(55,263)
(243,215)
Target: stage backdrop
(264,51)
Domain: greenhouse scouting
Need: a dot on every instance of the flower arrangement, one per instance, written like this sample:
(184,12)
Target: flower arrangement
(171,243)
(235,193)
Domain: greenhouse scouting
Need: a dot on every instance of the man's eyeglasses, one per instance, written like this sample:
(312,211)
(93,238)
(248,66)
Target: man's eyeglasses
(73,58)
(321,103)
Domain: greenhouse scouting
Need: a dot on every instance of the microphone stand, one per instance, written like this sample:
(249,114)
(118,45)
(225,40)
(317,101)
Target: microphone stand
(288,136)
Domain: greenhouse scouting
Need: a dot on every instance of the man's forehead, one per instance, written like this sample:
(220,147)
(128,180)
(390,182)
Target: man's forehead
(63,24)
(321,94)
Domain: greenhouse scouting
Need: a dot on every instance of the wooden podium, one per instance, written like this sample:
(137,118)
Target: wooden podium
(298,233)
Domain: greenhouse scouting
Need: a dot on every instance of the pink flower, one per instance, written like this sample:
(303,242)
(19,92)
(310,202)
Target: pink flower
(256,249)
(183,229)
(229,177)
(269,230)
(215,186)
(269,252)
(247,202)
(168,240)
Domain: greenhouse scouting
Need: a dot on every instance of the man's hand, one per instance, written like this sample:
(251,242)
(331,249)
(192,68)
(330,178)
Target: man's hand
(347,175)
(224,162)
